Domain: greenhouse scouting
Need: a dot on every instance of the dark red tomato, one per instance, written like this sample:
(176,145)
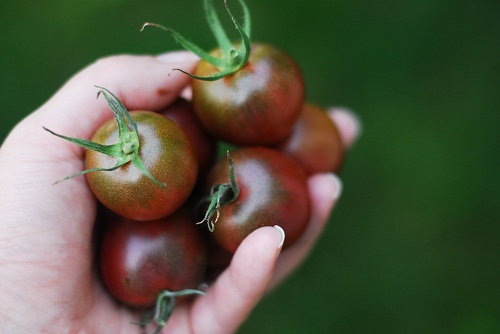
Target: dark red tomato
(273,191)
(182,113)
(315,142)
(258,104)
(165,151)
(140,259)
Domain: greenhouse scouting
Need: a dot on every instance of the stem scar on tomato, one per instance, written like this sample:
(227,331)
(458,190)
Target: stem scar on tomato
(233,57)
(220,194)
(125,150)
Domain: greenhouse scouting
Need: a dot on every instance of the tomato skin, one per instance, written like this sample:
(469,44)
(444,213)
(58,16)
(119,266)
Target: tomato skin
(258,104)
(140,259)
(273,190)
(315,142)
(182,113)
(167,154)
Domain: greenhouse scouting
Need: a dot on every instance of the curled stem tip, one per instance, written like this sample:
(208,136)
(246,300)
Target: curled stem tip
(220,195)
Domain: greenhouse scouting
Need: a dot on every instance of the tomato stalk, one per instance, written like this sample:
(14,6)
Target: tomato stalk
(127,148)
(234,56)
(221,194)
(165,304)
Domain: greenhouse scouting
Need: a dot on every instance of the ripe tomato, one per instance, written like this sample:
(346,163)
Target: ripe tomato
(315,142)
(165,151)
(258,104)
(182,113)
(140,259)
(272,190)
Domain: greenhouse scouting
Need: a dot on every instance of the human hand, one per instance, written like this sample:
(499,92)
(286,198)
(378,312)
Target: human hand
(47,270)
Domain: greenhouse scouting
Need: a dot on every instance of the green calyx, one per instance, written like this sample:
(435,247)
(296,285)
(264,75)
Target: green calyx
(234,57)
(221,194)
(165,304)
(127,148)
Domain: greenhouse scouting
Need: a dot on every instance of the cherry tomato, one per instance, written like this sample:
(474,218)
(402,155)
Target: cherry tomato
(165,151)
(182,113)
(272,190)
(140,259)
(315,142)
(258,104)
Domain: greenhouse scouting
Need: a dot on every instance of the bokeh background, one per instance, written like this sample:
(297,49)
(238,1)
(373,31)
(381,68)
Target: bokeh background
(413,246)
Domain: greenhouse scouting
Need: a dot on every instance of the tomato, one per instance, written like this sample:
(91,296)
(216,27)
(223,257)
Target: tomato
(140,259)
(165,151)
(182,113)
(272,190)
(258,104)
(315,142)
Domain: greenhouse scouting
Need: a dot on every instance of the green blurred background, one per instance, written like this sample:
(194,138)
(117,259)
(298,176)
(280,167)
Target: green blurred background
(413,244)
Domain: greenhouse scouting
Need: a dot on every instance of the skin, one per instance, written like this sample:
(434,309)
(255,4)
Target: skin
(47,231)
(127,191)
(170,254)
(315,142)
(272,188)
(255,106)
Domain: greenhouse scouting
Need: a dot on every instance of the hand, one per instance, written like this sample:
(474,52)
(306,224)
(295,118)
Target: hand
(47,272)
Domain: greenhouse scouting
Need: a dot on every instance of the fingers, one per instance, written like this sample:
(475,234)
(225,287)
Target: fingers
(324,190)
(229,301)
(254,268)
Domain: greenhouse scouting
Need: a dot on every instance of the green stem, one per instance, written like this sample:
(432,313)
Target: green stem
(233,58)
(128,146)
(164,308)
(220,195)
(215,25)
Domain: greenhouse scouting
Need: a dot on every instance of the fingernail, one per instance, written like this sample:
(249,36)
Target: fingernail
(336,185)
(280,245)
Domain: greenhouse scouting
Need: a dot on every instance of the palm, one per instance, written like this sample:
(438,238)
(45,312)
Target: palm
(65,293)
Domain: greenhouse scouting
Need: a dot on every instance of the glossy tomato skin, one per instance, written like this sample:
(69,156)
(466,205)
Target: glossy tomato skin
(315,142)
(258,104)
(273,191)
(140,259)
(167,154)
(182,113)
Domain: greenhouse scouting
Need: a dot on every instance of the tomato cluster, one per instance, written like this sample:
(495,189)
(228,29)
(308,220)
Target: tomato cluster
(159,175)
